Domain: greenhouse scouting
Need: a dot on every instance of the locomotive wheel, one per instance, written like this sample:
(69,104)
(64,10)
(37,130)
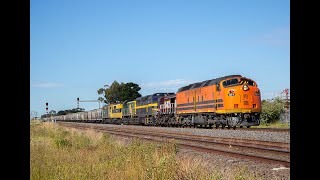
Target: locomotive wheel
(241,126)
(217,126)
(229,127)
(234,127)
(248,126)
(223,126)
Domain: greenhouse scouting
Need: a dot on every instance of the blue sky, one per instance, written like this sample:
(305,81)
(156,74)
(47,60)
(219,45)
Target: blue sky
(76,47)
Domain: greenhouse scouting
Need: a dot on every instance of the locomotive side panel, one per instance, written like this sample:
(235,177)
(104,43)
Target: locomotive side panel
(185,102)
(115,111)
(129,109)
(205,100)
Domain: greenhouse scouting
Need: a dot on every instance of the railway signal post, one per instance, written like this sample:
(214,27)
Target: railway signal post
(47,109)
(78,103)
(87,101)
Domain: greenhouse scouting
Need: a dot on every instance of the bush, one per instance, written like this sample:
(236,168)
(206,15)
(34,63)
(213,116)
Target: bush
(271,110)
(62,142)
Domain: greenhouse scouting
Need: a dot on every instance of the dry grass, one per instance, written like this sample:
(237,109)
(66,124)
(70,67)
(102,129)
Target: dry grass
(277,124)
(61,153)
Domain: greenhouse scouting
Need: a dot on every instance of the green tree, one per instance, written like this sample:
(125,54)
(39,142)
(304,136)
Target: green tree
(74,110)
(129,91)
(62,112)
(112,94)
(53,112)
(120,92)
(272,109)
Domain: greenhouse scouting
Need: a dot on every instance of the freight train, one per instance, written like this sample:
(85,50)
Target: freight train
(230,101)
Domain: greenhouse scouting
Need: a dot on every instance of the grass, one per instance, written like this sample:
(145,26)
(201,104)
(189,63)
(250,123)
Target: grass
(62,153)
(277,124)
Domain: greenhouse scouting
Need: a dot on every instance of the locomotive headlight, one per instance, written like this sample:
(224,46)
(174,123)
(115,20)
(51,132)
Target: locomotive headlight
(245,88)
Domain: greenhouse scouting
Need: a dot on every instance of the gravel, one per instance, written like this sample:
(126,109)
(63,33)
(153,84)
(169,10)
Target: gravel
(224,165)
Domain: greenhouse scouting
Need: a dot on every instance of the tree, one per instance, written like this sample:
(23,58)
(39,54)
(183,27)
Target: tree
(101,99)
(102,91)
(271,110)
(74,110)
(120,92)
(62,112)
(129,92)
(53,112)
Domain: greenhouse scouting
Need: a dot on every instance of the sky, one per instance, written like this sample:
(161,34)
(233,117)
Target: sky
(77,47)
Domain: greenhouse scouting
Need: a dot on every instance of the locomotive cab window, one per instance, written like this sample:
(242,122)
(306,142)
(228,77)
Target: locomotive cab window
(230,82)
(217,87)
(247,81)
(251,83)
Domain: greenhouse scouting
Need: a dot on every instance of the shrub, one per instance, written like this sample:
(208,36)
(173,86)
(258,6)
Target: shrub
(271,110)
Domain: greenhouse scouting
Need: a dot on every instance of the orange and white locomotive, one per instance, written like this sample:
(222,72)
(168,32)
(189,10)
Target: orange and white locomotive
(226,101)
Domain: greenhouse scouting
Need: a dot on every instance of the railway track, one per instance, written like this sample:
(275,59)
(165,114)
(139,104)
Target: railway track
(264,151)
(207,127)
(267,144)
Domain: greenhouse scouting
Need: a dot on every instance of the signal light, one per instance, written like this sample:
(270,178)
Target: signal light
(77,99)
(46,104)
(46,108)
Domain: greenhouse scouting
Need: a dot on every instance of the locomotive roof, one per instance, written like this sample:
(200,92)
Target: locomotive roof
(170,96)
(143,97)
(205,83)
(154,94)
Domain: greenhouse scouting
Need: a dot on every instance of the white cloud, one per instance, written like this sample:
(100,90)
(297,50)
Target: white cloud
(163,86)
(278,36)
(47,85)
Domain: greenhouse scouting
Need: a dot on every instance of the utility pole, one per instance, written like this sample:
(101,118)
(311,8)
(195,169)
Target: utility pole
(286,91)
